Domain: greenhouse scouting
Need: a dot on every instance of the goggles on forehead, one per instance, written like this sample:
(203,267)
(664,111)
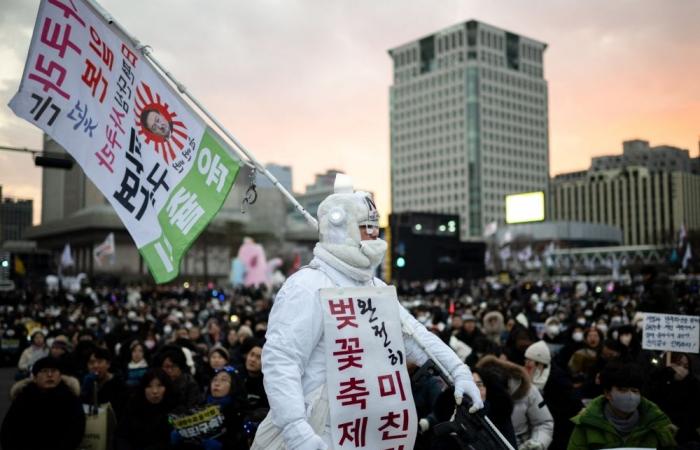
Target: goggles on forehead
(370,227)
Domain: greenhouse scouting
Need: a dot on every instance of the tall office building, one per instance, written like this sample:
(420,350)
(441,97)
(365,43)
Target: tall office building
(15,217)
(469,123)
(649,192)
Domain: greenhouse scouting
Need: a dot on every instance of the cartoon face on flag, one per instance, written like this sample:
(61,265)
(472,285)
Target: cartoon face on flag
(163,170)
(158,124)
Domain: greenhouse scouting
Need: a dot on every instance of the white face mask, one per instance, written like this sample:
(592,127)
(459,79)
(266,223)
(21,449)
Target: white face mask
(602,327)
(374,250)
(553,330)
(577,336)
(581,321)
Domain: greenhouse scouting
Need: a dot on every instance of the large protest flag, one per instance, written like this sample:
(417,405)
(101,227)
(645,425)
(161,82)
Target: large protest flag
(165,172)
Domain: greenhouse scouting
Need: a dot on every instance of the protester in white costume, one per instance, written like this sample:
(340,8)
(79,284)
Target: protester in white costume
(293,358)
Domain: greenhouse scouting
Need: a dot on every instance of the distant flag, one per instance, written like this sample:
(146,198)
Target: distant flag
(19,267)
(105,250)
(490,228)
(525,254)
(67,257)
(687,257)
(681,236)
(504,253)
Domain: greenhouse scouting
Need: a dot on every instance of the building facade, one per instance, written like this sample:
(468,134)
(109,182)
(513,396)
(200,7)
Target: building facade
(469,123)
(649,195)
(15,218)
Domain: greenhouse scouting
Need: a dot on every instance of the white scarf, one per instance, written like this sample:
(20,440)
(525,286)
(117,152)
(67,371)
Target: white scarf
(358,263)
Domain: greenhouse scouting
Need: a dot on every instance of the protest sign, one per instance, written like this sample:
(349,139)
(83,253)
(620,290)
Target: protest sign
(369,390)
(153,158)
(199,425)
(671,332)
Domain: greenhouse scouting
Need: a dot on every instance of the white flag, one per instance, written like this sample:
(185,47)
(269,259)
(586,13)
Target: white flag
(67,257)
(104,250)
(490,228)
(681,235)
(687,256)
(165,172)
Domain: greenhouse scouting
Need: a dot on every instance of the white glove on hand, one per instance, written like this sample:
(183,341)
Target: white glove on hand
(464,384)
(531,445)
(300,436)
(315,443)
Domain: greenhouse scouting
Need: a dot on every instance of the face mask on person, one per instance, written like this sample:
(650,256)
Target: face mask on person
(577,336)
(553,330)
(626,402)
(581,321)
(603,327)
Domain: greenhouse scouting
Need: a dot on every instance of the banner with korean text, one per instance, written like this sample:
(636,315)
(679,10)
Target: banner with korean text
(163,170)
(671,332)
(369,390)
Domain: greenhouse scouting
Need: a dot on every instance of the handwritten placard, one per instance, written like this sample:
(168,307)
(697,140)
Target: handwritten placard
(672,332)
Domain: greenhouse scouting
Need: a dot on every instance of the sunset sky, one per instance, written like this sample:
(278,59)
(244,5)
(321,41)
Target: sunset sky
(305,82)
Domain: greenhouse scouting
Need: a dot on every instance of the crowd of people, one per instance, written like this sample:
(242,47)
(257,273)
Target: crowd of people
(558,364)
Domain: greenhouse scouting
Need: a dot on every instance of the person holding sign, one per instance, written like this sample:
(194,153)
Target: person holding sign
(326,385)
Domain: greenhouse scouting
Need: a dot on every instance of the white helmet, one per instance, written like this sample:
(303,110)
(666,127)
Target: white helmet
(342,213)
(340,216)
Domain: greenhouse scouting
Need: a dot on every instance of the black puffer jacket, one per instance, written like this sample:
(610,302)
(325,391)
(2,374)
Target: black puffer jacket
(43,419)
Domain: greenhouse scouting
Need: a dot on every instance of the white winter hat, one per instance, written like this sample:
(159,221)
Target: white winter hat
(341,213)
(539,352)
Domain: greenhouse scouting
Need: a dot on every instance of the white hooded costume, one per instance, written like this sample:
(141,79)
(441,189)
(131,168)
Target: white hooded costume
(293,358)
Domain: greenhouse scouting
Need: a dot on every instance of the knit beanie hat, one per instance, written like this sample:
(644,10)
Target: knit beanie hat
(46,362)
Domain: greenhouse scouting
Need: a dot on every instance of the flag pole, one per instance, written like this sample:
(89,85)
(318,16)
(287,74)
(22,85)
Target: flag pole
(146,52)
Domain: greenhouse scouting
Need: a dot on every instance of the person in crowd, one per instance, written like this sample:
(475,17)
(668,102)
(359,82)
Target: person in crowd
(557,390)
(60,349)
(227,390)
(252,375)
(36,350)
(214,335)
(137,365)
(469,331)
(218,357)
(494,326)
(498,404)
(293,358)
(173,362)
(145,424)
(531,419)
(676,389)
(622,417)
(100,385)
(45,412)
(583,362)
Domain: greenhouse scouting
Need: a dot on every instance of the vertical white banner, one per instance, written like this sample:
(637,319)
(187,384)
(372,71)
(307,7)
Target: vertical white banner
(369,389)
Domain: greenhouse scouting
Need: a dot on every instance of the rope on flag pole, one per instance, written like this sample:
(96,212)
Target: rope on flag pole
(146,51)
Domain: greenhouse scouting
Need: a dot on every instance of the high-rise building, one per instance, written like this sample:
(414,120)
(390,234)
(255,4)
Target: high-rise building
(469,123)
(649,192)
(15,217)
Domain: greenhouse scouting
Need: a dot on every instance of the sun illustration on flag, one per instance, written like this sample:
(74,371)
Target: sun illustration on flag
(158,124)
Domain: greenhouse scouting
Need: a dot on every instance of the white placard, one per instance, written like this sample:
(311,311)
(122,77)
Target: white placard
(672,332)
(369,390)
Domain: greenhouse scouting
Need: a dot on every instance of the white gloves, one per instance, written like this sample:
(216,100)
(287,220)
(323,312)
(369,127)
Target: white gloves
(464,384)
(531,444)
(300,436)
